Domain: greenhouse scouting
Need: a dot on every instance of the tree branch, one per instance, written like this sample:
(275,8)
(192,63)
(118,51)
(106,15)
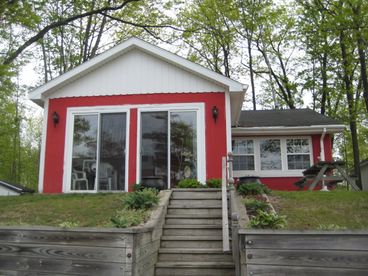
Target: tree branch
(12,56)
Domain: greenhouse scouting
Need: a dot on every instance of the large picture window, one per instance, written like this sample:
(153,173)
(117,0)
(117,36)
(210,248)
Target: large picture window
(169,145)
(98,152)
(277,156)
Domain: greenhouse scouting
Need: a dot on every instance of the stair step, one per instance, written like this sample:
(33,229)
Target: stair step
(191,242)
(192,229)
(184,206)
(194,211)
(194,220)
(195,268)
(205,202)
(194,195)
(193,255)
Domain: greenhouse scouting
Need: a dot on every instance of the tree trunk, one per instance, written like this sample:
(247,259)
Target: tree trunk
(251,72)
(351,107)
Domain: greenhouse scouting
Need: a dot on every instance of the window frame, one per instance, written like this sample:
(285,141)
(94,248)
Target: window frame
(68,150)
(247,154)
(199,108)
(285,171)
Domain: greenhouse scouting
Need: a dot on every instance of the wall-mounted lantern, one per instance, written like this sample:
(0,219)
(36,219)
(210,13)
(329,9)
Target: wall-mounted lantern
(55,118)
(215,113)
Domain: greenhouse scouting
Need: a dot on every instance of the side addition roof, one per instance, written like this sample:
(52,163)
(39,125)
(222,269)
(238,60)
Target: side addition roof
(283,121)
(15,187)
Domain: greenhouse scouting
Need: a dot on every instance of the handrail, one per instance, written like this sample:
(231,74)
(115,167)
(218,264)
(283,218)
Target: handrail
(225,214)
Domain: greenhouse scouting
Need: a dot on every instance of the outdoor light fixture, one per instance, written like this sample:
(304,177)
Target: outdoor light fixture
(55,118)
(215,112)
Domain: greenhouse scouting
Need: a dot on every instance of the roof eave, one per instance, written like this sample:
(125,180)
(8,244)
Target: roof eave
(282,130)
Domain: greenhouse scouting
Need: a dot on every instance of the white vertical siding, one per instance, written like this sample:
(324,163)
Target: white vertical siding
(137,72)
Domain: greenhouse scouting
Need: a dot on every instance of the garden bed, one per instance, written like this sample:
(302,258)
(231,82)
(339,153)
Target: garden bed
(67,210)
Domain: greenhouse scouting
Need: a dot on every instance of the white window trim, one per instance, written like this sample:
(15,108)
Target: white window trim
(284,172)
(68,149)
(201,141)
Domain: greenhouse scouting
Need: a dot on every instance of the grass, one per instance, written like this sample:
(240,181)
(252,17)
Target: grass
(73,210)
(322,210)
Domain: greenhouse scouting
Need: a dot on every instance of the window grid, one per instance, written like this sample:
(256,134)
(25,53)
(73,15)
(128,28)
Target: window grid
(295,154)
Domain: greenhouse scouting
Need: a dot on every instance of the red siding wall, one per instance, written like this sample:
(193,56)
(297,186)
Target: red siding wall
(55,137)
(287,183)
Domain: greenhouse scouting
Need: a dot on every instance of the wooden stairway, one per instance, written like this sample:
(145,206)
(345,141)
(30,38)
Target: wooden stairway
(192,236)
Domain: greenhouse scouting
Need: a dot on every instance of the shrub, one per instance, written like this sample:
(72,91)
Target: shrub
(253,205)
(189,183)
(252,188)
(143,199)
(214,183)
(268,220)
(137,187)
(127,218)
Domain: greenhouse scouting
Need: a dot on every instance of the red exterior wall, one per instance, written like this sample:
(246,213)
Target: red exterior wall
(287,183)
(55,138)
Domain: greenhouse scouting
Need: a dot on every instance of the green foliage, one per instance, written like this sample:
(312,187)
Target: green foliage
(143,199)
(127,218)
(214,183)
(268,220)
(330,227)
(189,183)
(137,187)
(68,224)
(252,188)
(253,205)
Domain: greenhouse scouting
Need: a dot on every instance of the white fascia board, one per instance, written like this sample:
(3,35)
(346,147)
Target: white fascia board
(315,129)
(38,93)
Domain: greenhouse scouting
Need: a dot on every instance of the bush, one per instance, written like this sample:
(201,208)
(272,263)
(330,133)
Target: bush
(214,183)
(268,220)
(137,187)
(127,218)
(254,205)
(252,188)
(143,199)
(189,183)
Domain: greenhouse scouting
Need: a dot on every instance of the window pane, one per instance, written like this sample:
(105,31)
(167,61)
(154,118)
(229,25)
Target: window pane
(154,147)
(297,145)
(243,162)
(270,154)
(84,152)
(112,152)
(243,147)
(298,162)
(183,147)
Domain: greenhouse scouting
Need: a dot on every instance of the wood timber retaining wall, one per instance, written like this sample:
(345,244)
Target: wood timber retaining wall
(333,253)
(83,251)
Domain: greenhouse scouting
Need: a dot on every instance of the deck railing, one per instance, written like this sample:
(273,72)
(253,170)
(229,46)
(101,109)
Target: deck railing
(226,179)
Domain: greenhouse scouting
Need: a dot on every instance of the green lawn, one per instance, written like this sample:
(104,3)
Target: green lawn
(322,210)
(76,210)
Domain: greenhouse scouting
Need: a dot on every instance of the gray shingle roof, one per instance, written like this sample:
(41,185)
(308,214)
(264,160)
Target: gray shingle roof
(284,117)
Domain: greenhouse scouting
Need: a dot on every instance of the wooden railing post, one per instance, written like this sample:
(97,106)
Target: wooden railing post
(225,214)
(235,242)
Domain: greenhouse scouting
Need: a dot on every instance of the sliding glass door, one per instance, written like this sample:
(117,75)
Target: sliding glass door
(154,143)
(98,153)
(168,147)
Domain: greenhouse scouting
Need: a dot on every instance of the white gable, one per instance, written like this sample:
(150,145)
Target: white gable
(136,72)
